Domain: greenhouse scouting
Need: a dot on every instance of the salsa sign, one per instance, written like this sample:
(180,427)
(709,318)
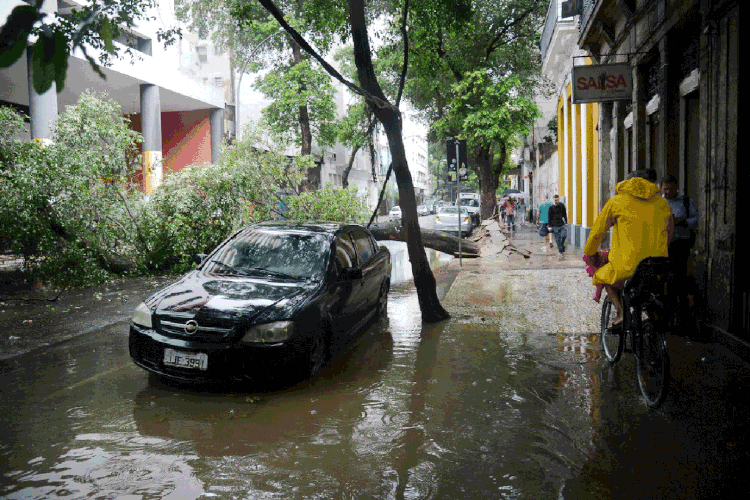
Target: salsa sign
(602,82)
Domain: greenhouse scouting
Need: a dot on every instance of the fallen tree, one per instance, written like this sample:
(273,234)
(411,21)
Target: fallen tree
(437,240)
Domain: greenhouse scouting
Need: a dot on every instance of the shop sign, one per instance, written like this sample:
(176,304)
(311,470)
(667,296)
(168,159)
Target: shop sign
(602,82)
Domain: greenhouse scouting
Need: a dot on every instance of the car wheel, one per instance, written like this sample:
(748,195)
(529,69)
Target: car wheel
(318,354)
(383,299)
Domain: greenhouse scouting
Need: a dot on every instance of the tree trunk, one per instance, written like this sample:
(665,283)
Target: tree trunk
(304,115)
(345,178)
(488,180)
(390,117)
(437,240)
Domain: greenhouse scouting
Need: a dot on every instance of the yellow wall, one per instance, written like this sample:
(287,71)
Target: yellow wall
(573,163)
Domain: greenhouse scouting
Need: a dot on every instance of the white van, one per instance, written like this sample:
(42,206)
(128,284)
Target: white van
(472,204)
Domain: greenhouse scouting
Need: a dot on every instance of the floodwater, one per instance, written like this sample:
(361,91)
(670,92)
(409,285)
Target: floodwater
(409,411)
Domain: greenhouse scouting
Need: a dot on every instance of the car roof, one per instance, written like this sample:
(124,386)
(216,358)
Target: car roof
(307,226)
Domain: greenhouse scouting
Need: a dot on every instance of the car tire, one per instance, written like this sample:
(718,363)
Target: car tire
(318,355)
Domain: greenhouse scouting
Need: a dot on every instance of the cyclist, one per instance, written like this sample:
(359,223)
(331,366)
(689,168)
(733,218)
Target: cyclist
(642,227)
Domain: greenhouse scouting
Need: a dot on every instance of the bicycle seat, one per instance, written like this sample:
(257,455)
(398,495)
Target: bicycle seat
(650,278)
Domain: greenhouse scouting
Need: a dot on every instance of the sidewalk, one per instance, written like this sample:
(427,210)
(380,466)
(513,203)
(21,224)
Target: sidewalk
(541,295)
(528,281)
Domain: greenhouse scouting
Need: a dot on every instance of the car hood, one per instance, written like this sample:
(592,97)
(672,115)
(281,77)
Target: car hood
(231,297)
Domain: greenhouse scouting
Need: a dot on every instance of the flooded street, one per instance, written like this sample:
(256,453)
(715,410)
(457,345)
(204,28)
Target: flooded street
(476,408)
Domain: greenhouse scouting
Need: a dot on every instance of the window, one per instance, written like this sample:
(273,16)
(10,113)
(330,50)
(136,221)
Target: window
(345,255)
(218,81)
(202,52)
(365,248)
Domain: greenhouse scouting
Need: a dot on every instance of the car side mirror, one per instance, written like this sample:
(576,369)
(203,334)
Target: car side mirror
(351,274)
(199,257)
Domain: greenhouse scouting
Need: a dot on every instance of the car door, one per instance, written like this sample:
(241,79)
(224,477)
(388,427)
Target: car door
(348,292)
(371,281)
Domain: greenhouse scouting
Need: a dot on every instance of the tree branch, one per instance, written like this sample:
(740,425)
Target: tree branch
(279,16)
(494,42)
(406,53)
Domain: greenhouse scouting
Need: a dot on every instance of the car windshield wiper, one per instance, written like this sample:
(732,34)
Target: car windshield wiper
(276,274)
(229,268)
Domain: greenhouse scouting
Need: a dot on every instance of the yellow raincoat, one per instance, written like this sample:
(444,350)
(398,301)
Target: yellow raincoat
(642,222)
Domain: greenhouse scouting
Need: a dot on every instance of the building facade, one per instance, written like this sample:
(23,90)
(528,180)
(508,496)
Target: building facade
(181,118)
(682,119)
(573,172)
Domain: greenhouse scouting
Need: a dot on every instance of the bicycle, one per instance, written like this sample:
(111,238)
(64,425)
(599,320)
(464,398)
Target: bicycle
(648,312)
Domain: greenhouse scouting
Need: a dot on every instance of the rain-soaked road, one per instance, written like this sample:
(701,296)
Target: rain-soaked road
(455,410)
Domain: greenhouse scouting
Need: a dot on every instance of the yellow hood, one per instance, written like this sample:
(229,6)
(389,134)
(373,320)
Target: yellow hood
(638,187)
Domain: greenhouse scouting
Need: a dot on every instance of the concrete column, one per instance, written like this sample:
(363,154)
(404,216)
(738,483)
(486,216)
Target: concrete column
(217,132)
(563,181)
(606,156)
(638,151)
(42,107)
(151,130)
(585,173)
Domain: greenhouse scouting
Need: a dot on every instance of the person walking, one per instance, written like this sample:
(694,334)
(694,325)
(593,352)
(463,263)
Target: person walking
(542,221)
(641,223)
(521,212)
(510,214)
(558,220)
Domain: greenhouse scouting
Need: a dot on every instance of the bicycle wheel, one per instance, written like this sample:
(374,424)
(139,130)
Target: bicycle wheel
(612,343)
(652,363)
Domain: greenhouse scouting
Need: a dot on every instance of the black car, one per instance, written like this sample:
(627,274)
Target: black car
(264,305)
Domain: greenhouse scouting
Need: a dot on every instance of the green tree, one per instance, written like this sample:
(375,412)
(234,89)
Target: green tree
(288,97)
(329,204)
(65,207)
(303,109)
(492,114)
(494,42)
(389,116)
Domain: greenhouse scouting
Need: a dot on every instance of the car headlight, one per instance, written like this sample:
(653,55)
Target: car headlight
(142,315)
(269,333)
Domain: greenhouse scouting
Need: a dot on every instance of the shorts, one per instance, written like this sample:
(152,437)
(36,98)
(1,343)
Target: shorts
(543,230)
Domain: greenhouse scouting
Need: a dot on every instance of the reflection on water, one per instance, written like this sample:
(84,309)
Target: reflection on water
(401,270)
(451,410)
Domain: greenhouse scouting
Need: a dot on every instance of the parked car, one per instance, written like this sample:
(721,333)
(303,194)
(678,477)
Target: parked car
(395,214)
(446,220)
(266,303)
(423,210)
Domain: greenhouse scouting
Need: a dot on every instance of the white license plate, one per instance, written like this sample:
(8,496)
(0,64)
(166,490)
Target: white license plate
(183,359)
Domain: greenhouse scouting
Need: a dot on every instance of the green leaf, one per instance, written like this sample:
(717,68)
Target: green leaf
(15,33)
(42,63)
(106,34)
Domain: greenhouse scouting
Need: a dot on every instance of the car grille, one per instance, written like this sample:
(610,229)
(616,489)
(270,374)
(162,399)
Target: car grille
(174,325)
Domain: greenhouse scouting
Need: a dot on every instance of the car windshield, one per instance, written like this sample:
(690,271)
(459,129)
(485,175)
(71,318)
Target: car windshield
(396,209)
(451,210)
(470,202)
(273,252)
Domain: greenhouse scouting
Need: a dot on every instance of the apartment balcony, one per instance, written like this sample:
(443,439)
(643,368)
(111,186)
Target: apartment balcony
(559,38)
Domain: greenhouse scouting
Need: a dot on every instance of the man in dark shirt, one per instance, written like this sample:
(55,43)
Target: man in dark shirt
(558,220)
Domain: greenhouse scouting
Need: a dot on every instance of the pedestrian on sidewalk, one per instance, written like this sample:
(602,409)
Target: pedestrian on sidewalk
(510,214)
(542,221)
(641,223)
(558,220)
(685,223)
(521,211)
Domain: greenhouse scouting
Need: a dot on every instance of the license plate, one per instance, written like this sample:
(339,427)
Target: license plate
(183,359)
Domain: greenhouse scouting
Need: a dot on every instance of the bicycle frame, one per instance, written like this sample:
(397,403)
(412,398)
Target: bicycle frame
(646,317)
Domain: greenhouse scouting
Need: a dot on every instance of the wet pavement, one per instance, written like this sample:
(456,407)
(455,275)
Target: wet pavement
(509,399)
